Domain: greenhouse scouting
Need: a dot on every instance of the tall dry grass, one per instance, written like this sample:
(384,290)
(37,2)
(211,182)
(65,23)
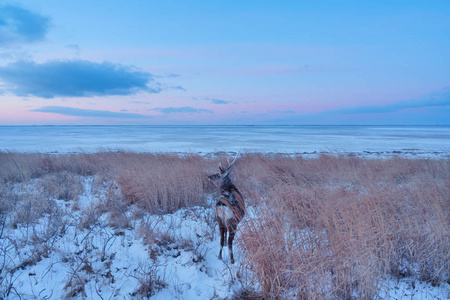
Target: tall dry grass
(157,183)
(331,227)
(335,227)
(162,183)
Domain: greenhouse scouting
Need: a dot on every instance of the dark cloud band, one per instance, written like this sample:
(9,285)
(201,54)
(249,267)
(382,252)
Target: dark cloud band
(92,113)
(437,99)
(77,78)
(184,109)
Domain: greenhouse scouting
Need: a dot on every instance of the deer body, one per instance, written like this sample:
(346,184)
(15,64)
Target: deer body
(230,208)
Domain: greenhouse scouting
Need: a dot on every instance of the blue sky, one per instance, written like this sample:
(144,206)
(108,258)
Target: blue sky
(224,62)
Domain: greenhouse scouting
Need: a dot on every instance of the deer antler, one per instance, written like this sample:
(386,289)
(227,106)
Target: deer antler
(234,160)
(223,170)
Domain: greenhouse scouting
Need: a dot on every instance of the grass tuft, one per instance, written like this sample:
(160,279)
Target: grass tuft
(330,227)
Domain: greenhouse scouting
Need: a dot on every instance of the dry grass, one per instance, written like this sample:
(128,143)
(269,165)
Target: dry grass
(156,183)
(335,226)
(62,185)
(331,227)
(162,183)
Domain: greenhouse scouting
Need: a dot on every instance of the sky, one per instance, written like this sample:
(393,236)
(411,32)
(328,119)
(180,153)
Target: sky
(229,62)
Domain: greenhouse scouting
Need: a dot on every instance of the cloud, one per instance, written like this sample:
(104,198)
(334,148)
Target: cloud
(171,75)
(91,113)
(75,78)
(213,100)
(438,99)
(429,109)
(288,111)
(177,87)
(74,47)
(220,101)
(140,102)
(167,75)
(184,109)
(19,25)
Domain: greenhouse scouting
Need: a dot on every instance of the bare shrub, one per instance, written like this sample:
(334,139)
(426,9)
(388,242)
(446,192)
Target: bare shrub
(75,286)
(247,294)
(63,185)
(7,197)
(102,182)
(91,215)
(29,208)
(150,280)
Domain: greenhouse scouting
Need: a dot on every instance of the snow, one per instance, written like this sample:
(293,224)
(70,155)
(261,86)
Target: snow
(113,263)
(309,141)
(406,288)
(174,254)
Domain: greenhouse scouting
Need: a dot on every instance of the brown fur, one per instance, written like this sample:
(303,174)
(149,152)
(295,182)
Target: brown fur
(230,208)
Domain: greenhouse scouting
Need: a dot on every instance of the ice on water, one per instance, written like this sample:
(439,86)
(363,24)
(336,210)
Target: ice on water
(414,140)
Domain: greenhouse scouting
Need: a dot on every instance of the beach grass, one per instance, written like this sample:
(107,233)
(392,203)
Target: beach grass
(327,227)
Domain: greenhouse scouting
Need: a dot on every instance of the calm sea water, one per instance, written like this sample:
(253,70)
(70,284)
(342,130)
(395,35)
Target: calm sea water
(434,140)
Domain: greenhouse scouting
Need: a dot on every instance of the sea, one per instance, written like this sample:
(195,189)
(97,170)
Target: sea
(416,141)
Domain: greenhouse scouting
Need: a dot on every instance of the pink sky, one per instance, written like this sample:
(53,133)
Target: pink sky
(224,63)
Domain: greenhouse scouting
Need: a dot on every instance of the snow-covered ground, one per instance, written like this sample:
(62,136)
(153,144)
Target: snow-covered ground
(104,263)
(76,251)
(172,256)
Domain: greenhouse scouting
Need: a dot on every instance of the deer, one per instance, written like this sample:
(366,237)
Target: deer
(230,206)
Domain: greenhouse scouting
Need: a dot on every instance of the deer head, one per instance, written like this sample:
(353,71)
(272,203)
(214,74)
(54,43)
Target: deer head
(221,177)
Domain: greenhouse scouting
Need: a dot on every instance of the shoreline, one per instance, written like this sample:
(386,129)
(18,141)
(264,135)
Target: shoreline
(406,153)
(307,141)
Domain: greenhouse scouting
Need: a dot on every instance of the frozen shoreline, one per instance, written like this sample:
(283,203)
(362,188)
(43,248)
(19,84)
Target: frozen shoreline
(407,153)
(308,141)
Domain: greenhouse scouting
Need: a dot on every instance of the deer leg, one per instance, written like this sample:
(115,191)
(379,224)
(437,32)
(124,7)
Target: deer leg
(230,242)
(223,234)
